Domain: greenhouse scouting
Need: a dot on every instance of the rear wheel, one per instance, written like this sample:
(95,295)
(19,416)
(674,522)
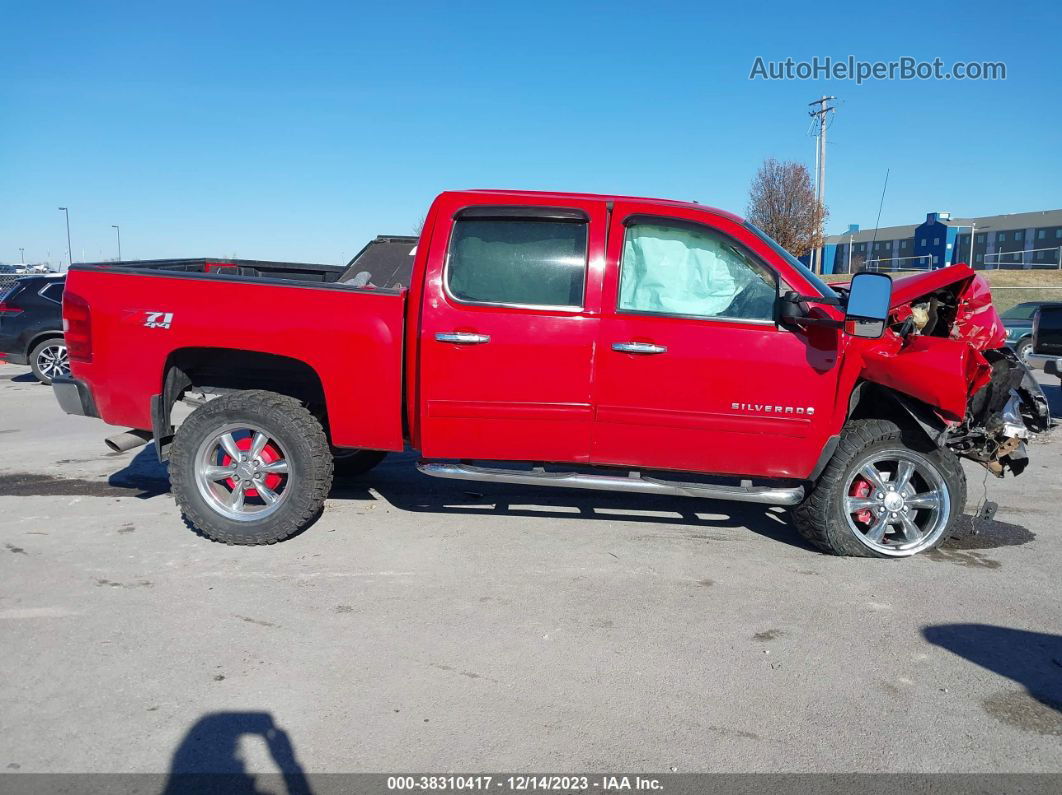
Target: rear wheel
(250,468)
(882,497)
(49,360)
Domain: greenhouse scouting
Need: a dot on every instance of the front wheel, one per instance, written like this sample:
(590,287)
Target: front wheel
(250,467)
(881,497)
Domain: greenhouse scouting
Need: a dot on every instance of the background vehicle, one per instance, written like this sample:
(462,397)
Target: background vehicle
(31,325)
(1046,352)
(566,340)
(386,259)
(1018,320)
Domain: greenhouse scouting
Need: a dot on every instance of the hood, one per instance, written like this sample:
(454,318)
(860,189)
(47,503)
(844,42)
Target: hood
(976,321)
(915,285)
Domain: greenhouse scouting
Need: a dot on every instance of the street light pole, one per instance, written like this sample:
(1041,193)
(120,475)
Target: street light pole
(119,231)
(69,248)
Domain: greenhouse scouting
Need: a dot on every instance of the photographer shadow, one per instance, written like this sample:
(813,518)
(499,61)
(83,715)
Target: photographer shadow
(209,759)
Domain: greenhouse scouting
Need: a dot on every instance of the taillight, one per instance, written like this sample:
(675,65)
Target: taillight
(7,309)
(77,327)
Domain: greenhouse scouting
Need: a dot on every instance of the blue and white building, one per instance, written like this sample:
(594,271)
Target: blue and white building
(1015,241)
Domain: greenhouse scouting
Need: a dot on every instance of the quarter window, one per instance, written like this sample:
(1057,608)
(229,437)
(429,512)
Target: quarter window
(690,270)
(528,262)
(54,292)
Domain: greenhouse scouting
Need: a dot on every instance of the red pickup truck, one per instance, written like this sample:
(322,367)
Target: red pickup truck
(563,339)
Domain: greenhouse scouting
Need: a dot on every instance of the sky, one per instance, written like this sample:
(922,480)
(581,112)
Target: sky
(299,131)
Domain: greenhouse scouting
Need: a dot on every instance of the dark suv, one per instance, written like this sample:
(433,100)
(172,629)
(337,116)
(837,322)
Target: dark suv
(31,325)
(1047,340)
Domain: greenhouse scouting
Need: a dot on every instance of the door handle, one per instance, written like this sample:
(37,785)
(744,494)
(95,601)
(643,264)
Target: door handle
(462,337)
(638,347)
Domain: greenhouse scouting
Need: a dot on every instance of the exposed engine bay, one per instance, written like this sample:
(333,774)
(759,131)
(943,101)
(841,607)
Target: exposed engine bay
(945,347)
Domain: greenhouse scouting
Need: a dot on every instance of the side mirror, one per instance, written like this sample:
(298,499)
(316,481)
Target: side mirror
(867,310)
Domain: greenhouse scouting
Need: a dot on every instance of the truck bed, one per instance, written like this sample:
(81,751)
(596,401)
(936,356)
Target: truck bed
(160,310)
(246,268)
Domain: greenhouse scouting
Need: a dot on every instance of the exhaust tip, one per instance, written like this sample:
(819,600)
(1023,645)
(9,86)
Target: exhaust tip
(129,440)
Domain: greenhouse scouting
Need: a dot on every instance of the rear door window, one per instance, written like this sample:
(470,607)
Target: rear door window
(518,262)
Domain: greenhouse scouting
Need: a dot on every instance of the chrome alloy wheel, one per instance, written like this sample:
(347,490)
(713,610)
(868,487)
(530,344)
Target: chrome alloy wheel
(897,502)
(53,361)
(242,473)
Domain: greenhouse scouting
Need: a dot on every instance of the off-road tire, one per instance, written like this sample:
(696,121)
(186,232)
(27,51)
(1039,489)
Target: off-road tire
(820,518)
(34,355)
(349,463)
(306,450)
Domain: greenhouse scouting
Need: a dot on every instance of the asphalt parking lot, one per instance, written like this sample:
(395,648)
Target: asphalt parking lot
(426,625)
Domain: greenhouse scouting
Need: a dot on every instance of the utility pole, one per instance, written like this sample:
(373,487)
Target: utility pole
(22,255)
(119,232)
(822,112)
(69,248)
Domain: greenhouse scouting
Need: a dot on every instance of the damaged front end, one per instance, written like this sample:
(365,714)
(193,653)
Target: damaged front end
(945,347)
(1002,416)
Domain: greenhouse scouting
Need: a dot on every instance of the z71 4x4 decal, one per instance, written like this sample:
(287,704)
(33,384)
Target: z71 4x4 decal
(158,319)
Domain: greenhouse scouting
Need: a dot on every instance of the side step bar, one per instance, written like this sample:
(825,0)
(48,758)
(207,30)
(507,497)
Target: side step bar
(638,484)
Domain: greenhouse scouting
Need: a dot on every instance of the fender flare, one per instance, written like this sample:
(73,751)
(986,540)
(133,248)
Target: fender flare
(923,417)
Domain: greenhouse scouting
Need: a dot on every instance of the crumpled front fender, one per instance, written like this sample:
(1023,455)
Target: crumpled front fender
(938,371)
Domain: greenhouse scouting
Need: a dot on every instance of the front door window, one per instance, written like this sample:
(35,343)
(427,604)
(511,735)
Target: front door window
(683,269)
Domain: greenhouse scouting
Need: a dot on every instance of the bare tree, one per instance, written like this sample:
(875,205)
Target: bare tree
(418,227)
(782,203)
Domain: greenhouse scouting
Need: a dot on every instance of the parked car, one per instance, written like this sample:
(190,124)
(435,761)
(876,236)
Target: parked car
(31,325)
(570,340)
(1046,352)
(1018,320)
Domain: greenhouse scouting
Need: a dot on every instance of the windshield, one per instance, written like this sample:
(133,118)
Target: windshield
(824,289)
(1020,312)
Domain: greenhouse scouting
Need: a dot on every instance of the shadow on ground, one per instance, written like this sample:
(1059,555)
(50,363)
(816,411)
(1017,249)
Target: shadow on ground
(210,758)
(398,482)
(1030,659)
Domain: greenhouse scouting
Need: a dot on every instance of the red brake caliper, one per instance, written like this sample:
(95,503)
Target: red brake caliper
(861,488)
(269,455)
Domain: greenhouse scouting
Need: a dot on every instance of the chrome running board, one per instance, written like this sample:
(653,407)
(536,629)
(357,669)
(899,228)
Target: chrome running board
(765,495)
